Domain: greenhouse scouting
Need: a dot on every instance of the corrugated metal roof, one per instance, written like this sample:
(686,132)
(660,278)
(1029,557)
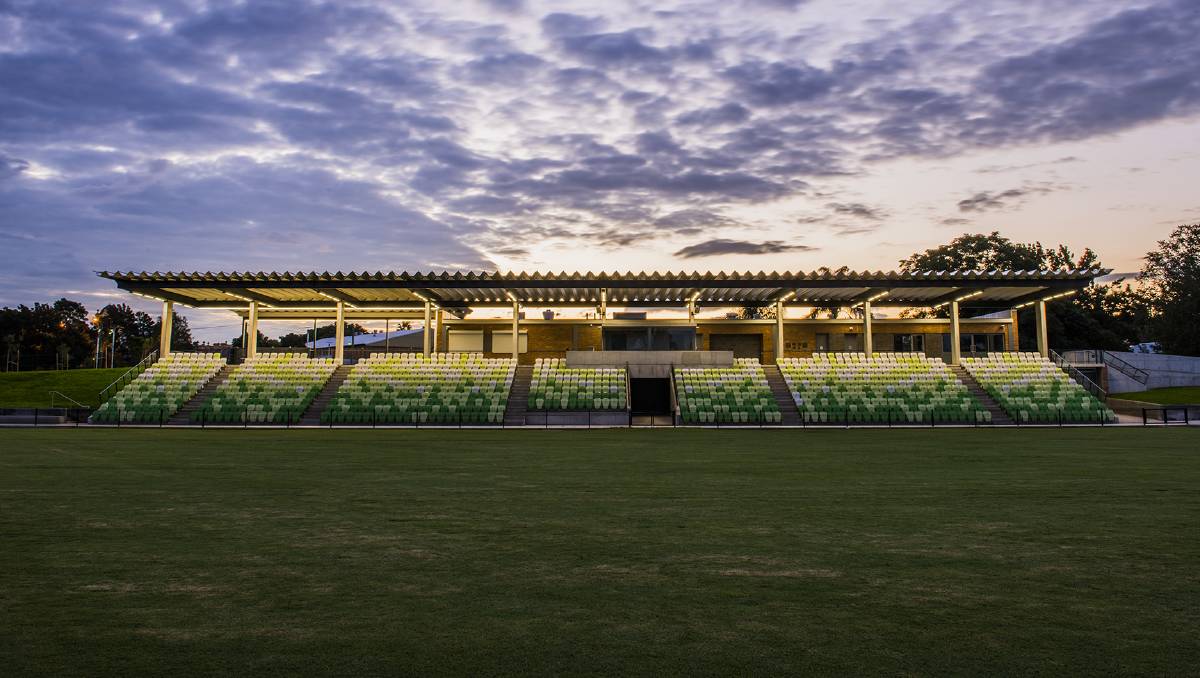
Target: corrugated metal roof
(463,289)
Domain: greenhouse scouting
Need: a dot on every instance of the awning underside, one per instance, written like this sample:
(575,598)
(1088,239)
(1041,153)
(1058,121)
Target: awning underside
(456,291)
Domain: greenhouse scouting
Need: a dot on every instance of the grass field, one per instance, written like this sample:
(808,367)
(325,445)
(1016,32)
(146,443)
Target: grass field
(1183,395)
(32,389)
(966,552)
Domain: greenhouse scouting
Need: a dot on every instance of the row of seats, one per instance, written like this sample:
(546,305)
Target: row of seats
(1031,389)
(411,388)
(161,390)
(738,394)
(558,387)
(271,388)
(888,388)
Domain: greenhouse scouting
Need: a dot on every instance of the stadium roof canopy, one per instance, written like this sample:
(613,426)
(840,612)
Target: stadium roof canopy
(461,290)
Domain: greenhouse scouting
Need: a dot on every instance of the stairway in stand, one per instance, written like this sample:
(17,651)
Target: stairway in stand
(518,396)
(184,415)
(783,395)
(312,416)
(999,416)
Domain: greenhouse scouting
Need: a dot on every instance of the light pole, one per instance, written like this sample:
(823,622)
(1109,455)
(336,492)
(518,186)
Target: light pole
(96,320)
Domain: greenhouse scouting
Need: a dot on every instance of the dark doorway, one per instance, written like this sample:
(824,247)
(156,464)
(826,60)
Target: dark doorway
(649,396)
(742,345)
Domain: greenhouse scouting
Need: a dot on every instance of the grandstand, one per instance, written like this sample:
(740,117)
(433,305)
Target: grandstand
(409,388)
(1032,389)
(557,387)
(161,390)
(886,388)
(609,365)
(270,388)
(733,395)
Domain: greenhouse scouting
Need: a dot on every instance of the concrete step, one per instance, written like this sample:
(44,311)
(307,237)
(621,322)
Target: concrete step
(312,416)
(184,415)
(999,416)
(783,395)
(518,396)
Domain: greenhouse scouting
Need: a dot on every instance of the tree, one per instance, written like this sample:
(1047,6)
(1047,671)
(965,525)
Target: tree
(181,333)
(135,332)
(1172,274)
(46,336)
(978,252)
(293,340)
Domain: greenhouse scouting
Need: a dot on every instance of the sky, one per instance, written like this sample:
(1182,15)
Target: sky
(518,135)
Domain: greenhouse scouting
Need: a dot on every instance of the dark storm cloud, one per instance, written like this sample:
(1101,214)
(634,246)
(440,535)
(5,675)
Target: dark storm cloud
(723,246)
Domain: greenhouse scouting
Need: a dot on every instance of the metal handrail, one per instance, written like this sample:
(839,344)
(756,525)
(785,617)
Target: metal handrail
(129,375)
(628,394)
(1091,386)
(1124,367)
(675,412)
(64,396)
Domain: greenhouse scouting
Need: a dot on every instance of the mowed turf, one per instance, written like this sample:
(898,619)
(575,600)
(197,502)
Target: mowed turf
(967,552)
(32,389)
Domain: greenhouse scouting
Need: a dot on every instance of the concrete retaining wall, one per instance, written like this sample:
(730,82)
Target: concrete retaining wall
(1165,371)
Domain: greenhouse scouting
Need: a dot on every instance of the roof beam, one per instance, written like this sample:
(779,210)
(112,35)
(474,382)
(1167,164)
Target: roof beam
(249,295)
(338,295)
(162,295)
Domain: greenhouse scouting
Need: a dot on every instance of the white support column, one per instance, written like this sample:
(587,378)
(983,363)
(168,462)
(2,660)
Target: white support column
(1043,340)
(516,332)
(252,330)
(955,334)
(868,340)
(339,336)
(164,334)
(425,330)
(778,332)
(603,305)
(1013,344)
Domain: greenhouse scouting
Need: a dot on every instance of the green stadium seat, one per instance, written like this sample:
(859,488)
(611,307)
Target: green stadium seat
(269,388)
(556,387)
(1033,390)
(410,388)
(732,395)
(161,390)
(902,388)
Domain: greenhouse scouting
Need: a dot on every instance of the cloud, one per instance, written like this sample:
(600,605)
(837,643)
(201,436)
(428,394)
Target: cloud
(614,49)
(778,84)
(367,131)
(857,209)
(11,167)
(987,201)
(558,24)
(726,114)
(722,246)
